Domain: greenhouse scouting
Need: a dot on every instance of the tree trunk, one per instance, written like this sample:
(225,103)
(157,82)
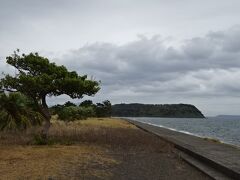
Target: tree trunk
(47,123)
(46,114)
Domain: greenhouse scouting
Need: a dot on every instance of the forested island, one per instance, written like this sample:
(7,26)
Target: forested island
(156,110)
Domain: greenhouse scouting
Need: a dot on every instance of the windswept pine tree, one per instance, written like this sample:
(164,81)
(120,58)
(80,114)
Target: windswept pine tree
(38,78)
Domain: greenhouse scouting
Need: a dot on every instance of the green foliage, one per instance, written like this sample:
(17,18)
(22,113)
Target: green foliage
(56,109)
(70,112)
(156,110)
(104,109)
(67,104)
(75,113)
(17,112)
(86,103)
(38,77)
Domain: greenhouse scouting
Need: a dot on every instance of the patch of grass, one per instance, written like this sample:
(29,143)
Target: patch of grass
(15,138)
(108,132)
(56,162)
(96,122)
(114,133)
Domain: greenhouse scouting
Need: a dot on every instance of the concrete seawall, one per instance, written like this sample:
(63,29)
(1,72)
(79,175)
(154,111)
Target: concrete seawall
(222,157)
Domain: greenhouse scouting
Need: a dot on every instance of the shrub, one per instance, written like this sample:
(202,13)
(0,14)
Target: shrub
(17,112)
(72,113)
(104,109)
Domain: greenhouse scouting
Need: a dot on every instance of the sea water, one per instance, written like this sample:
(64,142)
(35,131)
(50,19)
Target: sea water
(226,130)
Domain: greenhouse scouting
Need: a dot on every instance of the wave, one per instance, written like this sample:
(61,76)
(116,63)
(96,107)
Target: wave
(185,132)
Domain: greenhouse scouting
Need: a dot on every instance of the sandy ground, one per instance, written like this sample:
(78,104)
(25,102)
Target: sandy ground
(102,149)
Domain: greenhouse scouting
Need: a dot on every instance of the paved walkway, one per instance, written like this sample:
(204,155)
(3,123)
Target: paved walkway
(223,157)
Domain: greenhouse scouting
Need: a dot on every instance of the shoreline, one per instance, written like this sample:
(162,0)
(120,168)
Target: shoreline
(208,136)
(195,135)
(219,156)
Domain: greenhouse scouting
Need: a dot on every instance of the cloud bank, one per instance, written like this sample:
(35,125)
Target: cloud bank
(148,70)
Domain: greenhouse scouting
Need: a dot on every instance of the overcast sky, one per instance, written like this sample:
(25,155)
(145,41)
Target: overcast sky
(146,51)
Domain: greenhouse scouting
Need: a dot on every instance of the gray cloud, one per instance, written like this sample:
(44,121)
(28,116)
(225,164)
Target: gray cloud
(146,57)
(202,67)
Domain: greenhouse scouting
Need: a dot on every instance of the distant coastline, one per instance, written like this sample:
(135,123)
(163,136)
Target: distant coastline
(156,110)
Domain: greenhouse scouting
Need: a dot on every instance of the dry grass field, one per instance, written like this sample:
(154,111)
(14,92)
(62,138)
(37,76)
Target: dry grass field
(97,148)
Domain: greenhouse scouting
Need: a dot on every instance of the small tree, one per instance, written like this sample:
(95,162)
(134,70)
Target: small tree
(86,103)
(67,104)
(104,109)
(37,78)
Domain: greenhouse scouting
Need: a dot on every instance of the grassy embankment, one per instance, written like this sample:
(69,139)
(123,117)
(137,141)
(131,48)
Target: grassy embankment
(94,148)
